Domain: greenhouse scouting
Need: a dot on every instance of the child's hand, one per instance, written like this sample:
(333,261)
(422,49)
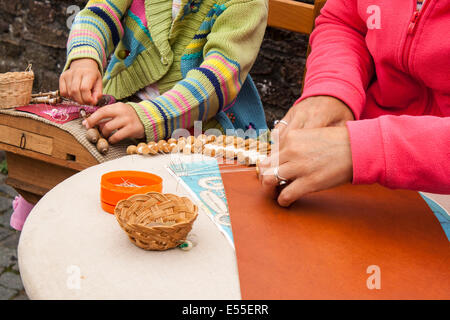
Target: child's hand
(120,117)
(82,82)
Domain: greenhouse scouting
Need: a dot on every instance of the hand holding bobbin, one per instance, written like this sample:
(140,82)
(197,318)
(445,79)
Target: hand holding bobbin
(307,160)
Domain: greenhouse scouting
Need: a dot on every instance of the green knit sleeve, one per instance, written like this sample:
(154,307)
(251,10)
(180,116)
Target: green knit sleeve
(231,48)
(96,31)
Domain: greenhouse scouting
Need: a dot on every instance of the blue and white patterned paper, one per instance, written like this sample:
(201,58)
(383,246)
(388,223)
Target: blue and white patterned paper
(202,178)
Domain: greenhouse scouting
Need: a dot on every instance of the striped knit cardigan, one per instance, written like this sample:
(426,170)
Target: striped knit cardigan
(199,61)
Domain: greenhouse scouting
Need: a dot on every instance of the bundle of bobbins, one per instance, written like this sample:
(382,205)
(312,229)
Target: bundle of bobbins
(94,136)
(245,151)
(52,97)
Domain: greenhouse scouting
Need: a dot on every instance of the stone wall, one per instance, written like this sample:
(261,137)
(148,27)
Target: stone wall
(35,31)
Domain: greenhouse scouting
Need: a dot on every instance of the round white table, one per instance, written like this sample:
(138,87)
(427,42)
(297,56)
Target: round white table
(71,249)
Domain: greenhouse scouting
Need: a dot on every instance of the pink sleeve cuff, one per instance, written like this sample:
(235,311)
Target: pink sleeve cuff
(338,89)
(368,156)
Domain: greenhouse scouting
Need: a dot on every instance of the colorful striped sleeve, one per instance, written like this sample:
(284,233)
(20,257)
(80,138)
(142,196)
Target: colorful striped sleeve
(96,31)
(231,49)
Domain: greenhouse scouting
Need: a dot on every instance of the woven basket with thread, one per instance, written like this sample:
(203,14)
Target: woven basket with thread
(156,221)
(16,88)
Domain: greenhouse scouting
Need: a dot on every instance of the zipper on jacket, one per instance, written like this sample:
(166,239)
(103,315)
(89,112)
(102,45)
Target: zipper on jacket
(414,21)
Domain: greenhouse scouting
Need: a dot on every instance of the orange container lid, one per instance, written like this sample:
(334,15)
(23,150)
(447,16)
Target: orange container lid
(113,186)
(108,207)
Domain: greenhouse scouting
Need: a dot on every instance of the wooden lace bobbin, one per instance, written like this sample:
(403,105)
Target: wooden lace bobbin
(248,142)
(156,221)
(181,143)
(220,152)
(198,146)
(217,143)
(173,147)
(188,149)
(102,146)
(163,146)
(132,150)
(190,140)
(198,150)
(209,150)
(142,144)
(264,147)
(203,138)
(51,97)
(93,135)
(252,145)
(229,140)
(220,140)
(144,150)
(161,143)
(230,152)
(241,157)
(239,143)
(171,141)
(99,141)
(153,149)
(167,148)
(211,138)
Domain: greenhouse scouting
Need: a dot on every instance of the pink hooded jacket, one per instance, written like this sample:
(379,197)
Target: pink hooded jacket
(390,63)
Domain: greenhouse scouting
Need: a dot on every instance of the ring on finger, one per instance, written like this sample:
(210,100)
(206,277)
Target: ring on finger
(280,180)
(276,122)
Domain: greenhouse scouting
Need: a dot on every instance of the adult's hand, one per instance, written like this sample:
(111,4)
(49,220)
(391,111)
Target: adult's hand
(316,112)
(311,159)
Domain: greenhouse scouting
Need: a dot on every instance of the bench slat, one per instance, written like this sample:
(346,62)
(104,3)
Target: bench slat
(291,15)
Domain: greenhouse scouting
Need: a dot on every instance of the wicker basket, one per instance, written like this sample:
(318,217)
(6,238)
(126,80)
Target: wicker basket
(16,88)
(155,221)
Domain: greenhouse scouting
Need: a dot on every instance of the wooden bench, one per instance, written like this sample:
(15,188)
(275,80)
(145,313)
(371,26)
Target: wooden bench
(40,156)
(294,16)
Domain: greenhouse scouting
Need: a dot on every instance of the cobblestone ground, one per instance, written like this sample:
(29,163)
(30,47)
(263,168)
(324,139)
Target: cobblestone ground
(11,287)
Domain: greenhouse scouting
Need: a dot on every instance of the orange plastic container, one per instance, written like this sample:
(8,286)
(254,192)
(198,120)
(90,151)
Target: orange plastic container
(112,188)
